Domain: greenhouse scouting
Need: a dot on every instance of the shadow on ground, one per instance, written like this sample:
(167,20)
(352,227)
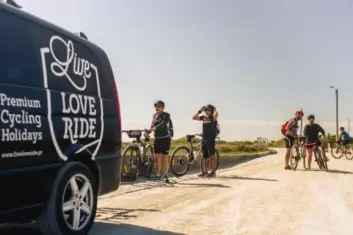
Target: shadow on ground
(244,178)
(196,168)
(203,185)
(112,214)
(339,172)
(19,229)
(333,171)
(101,228)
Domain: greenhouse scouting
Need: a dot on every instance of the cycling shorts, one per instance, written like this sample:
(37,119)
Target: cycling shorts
(162,145)
(310,144)
(289,140)
(208,148)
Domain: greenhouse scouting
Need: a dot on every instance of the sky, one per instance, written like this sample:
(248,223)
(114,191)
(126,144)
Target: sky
(257,61)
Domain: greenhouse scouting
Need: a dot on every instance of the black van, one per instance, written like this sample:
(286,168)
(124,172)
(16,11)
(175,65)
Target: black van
(60,125)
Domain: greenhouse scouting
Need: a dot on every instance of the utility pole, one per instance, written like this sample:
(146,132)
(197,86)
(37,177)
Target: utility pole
(301,124)
(349,126)
(336,93)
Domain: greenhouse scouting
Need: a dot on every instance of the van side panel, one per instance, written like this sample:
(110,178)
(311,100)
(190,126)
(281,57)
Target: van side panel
(50,112)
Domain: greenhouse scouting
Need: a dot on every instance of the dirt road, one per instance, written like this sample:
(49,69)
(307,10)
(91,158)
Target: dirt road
(255,198)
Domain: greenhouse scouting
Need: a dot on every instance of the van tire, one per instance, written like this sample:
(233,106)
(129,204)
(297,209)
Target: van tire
(52,220)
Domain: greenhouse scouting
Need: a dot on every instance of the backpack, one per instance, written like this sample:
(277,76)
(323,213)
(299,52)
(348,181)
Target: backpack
(284,127)
(170,128)
(218,130)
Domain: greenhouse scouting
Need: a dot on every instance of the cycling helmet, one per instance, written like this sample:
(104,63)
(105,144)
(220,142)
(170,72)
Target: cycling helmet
(311,117)
(299,114)
(210,106)
(341,128)
(158,102)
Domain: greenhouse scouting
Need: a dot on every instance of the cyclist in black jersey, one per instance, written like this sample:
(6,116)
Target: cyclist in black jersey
(162,139)
(209,133)
(311,134)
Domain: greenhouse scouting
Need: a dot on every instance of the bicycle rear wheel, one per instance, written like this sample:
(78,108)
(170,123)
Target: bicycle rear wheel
(348,152)
(131,156)
(216,160)
(179,161)
(336,152)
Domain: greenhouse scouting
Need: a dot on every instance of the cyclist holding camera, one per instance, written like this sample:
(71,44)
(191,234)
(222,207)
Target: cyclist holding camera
(208,115)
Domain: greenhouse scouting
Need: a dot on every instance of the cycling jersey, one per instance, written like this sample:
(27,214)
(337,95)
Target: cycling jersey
(160,123)
(311,132)
(344,136)
(292,127)
(209,127)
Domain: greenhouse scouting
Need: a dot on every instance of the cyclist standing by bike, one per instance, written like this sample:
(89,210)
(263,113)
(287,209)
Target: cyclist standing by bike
(161,125)
(289,130)
(311,134)
(209,133)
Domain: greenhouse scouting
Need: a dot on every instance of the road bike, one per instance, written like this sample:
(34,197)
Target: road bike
(338,150)
(138,157)
(186,156)
(297,153)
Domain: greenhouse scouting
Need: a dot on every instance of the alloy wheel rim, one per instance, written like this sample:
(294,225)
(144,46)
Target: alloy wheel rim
(77,202)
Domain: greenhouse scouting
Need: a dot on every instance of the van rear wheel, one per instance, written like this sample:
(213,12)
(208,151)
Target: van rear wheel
(72,205)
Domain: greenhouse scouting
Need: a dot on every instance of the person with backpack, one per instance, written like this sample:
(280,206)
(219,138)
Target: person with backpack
(289,131)
(210,129)
(162,126)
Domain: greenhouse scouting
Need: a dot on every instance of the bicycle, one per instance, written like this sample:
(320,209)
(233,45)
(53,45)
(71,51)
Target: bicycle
(320,156)
(297,153)
(341,150)
(190,158)
(143,160)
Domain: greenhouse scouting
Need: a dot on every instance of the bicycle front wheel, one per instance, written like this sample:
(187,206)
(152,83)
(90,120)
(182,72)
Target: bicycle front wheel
(179,161)
(131,156)
(149,161)
(302,154)
(294,157)
(215,161)
(336,152)
(321,161)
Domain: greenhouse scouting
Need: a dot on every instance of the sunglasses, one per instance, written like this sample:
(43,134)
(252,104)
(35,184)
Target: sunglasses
(158,106)
(208,110)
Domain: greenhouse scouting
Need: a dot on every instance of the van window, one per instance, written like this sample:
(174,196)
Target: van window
(19,60)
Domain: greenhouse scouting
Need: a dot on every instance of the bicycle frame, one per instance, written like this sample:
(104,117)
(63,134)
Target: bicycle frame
(141,144)
(197,148)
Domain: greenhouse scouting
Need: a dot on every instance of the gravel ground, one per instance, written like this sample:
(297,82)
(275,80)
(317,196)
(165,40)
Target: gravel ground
(254,198)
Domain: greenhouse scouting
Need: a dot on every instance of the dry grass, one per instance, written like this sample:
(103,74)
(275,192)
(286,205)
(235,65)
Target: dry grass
(224,147)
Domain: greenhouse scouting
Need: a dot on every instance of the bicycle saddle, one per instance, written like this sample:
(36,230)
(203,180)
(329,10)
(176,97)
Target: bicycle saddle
(190,136)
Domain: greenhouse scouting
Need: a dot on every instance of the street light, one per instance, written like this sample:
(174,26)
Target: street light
(336,92)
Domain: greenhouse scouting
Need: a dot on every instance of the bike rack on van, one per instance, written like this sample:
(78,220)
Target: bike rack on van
(82,35)
(11,3)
